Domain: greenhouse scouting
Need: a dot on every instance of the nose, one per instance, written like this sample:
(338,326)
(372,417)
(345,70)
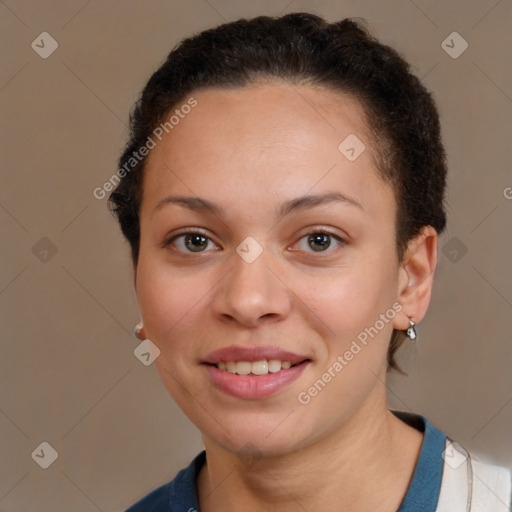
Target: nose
(252,293)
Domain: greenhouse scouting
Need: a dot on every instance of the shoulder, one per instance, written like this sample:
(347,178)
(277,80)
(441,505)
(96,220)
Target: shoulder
(448,478)
(486,487)
(492,483)
(178,495)
(155,501)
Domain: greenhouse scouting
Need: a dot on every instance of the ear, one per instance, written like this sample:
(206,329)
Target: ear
(416,277)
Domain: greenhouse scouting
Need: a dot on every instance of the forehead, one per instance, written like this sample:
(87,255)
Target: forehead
(273,113)
(265,137)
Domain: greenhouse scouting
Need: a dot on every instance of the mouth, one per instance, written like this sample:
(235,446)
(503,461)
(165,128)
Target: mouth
(255,368)
(253,373)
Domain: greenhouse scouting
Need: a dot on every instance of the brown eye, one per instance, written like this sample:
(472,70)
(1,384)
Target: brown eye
(190,242)
(196,242)
(318,241)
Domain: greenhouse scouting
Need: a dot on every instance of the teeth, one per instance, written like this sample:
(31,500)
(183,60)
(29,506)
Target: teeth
(274,365)
(256,367)
(243,367)
(259,367)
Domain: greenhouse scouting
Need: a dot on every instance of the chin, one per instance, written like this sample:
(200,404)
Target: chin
(252,436)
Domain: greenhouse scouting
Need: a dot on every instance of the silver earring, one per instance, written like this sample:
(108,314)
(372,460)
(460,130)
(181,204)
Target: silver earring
(411,331)
(137,331)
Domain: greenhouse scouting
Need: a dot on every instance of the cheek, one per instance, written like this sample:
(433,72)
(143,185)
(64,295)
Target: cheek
(350,299)
(168,301)
(350,304)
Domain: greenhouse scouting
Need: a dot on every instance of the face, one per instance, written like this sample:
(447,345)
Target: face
(287,254)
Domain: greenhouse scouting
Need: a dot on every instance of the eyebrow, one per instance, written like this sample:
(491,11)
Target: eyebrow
(200,204)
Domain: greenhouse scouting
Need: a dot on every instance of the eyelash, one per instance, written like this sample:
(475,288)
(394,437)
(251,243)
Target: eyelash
(197,231)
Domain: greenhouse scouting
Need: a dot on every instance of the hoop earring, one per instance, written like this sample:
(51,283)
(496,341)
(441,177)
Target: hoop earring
(411,331)
(137,331)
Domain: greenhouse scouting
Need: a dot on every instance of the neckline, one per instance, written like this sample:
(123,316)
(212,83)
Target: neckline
(422,493)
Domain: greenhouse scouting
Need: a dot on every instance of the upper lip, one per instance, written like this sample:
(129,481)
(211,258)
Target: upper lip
(240,353)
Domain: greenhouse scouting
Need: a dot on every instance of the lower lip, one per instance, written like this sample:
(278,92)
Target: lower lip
(254,386)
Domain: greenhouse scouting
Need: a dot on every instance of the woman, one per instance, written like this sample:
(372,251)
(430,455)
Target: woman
(282,193)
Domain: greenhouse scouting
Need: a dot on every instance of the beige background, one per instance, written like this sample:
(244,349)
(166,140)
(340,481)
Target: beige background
(67,369)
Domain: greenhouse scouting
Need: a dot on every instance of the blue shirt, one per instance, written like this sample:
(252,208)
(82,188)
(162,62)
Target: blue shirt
(180,494)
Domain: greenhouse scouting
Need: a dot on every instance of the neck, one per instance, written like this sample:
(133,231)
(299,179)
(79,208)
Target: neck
(366,463)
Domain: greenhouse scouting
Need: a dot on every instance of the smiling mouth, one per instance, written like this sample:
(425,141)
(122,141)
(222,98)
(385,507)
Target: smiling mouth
(262,367)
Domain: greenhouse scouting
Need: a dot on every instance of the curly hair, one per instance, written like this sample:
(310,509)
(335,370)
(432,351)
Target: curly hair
(302,48)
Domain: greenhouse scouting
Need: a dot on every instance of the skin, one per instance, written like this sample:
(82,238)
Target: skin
(250,150)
